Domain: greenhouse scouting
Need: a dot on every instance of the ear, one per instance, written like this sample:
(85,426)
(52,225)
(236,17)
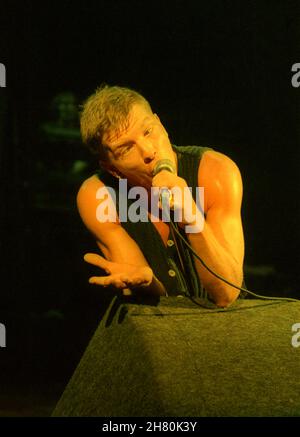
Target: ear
(110,169)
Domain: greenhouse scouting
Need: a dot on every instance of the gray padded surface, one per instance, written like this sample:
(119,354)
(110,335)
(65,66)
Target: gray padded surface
(180,359)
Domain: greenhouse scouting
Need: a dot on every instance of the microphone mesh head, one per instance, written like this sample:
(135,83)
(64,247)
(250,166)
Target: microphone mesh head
(164,164)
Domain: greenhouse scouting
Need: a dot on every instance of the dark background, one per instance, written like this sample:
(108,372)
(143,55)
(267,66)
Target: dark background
(218,73)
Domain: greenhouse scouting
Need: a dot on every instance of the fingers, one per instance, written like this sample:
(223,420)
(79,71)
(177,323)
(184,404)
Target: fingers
(97,260)
(119,281)
(134,277)
(164,179)
(105,281)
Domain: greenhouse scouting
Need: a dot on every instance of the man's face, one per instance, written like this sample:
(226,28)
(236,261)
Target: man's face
(134,151)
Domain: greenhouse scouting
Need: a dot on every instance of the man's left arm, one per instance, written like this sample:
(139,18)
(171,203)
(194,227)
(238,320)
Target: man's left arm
(221,242)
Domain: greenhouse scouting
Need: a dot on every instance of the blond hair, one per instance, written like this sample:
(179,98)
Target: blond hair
(104,112)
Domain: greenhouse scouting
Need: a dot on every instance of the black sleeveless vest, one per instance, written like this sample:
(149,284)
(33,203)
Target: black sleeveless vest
(163,260)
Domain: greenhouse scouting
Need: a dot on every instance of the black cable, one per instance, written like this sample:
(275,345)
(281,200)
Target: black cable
(290,299)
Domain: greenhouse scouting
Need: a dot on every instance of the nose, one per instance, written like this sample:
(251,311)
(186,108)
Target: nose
(148,151)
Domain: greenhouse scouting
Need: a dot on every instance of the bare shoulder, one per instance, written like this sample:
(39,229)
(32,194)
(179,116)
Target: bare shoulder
(217,162)
(86,195)
(221,179)
(90,185)
(88,202)
(111,237)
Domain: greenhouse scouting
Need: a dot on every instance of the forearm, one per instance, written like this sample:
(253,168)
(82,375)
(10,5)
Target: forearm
(220,261)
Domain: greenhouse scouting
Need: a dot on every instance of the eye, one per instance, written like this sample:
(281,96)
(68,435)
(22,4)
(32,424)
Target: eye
(126,149)
(148,131)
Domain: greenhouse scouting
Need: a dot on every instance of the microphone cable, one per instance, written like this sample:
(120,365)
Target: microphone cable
(166,194)
(190,248)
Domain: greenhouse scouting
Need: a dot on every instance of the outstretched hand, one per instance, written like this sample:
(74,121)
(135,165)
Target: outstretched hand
(120,275)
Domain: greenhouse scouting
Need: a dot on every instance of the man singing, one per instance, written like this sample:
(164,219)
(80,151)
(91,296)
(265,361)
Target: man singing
(119,126)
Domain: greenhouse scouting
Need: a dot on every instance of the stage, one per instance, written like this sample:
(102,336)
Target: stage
(177,358)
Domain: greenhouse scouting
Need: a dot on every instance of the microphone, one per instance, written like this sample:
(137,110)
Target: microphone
(165,193)
(166,198)
(164,164)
